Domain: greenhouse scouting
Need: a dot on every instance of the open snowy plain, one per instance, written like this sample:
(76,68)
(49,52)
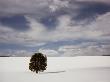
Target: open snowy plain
(59,69)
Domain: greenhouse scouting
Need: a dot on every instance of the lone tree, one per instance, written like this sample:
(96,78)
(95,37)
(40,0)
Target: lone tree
(38,63)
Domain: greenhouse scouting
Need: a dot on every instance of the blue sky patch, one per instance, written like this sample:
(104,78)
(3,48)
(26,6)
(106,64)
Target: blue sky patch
(89,10)
(17,22)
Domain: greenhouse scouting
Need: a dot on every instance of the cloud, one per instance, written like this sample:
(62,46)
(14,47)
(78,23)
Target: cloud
(49,52)
(16,53)
(36,7)
(82,49)
(106,1)
(90,10)
(22,6)
(20,53)
(63,31)
(58,4)
(56,21)
(97,31)
(102,25)
(85,49)
(38,34)
(18,22)
(11,36)
(47,12)
(42,8)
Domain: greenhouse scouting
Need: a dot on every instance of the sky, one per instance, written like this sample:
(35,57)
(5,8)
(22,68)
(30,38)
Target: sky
(55,28)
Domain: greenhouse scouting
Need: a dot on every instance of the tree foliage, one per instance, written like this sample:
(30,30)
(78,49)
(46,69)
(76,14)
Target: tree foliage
(38,63)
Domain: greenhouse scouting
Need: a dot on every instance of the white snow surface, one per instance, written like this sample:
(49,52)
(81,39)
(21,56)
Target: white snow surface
(59,69)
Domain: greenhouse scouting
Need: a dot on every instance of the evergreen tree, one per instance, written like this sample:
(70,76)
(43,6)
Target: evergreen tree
(38,63)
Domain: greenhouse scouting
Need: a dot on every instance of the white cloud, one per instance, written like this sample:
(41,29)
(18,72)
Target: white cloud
(49,52)
(38,34)
(84,50)
(22,6)
(56,4)
(101,26)
(30,7)
(66,31)
(27,38)
(19,53)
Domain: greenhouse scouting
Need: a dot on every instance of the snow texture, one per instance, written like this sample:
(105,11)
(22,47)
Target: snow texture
(59,69)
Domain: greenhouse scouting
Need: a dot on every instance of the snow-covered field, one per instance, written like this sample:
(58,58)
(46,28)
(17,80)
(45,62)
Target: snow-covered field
(59,69)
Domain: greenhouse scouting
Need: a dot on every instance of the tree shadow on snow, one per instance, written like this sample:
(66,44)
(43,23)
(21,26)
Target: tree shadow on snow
(53,72)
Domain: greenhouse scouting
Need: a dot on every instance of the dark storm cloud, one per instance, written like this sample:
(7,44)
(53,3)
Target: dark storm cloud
(16,22)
